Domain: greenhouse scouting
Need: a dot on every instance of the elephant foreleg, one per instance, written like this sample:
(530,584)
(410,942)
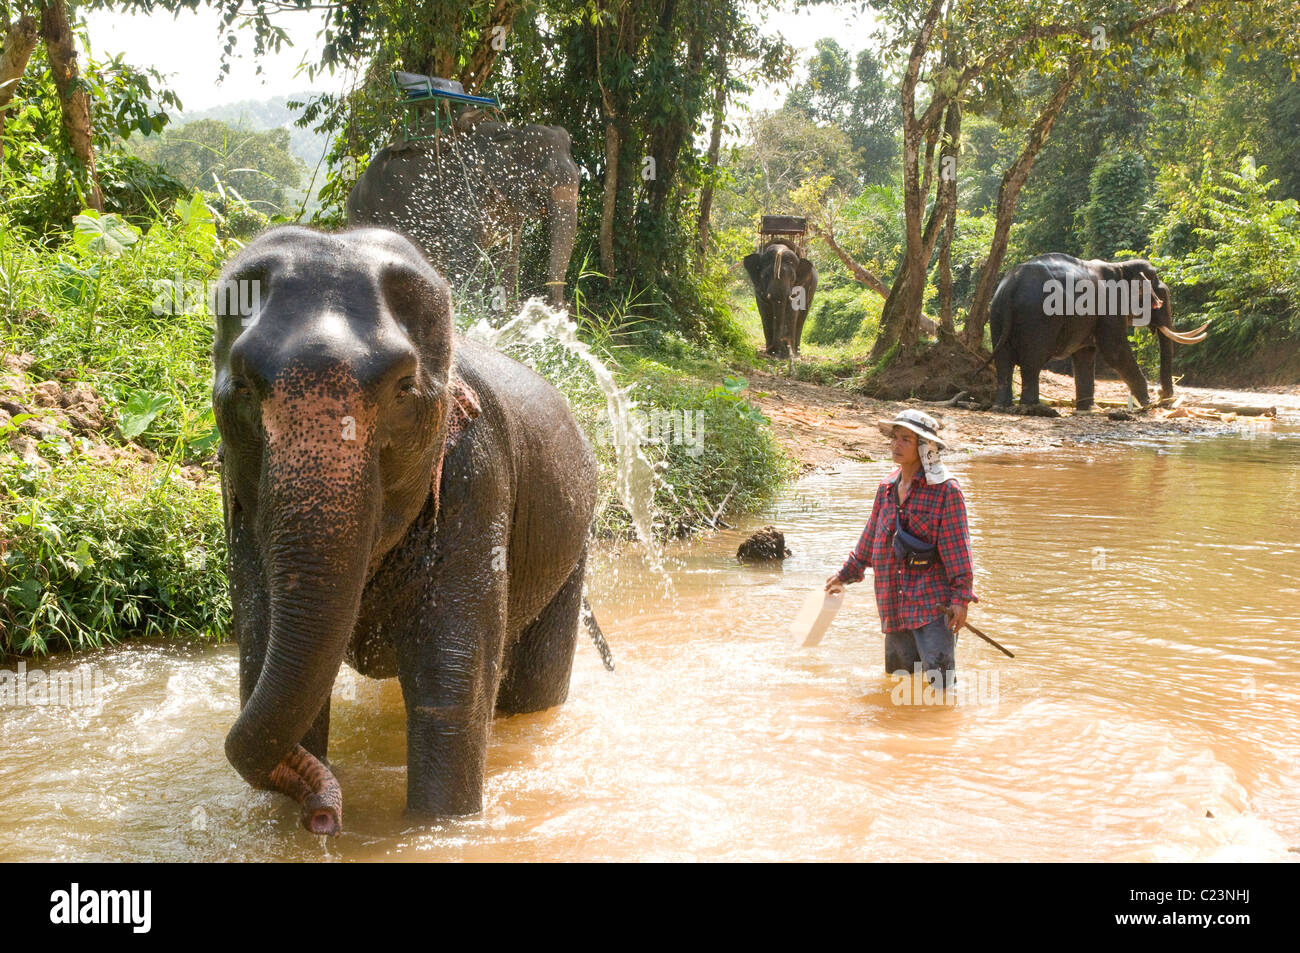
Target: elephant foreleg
(1085,369)
(769,321)
(448,672)
(1113,344)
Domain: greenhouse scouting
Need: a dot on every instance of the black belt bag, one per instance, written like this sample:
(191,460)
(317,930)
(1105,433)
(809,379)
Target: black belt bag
(915,552)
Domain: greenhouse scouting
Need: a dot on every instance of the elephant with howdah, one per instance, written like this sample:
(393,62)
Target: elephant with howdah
(397,497)
(784,282)
(471,191)
(1056,306)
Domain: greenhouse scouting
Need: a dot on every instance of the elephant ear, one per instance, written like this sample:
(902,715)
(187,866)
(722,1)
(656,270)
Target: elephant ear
(754,265)
(465,407)
(803,271)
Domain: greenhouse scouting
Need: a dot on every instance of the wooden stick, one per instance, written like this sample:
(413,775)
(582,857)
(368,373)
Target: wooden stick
(991,642)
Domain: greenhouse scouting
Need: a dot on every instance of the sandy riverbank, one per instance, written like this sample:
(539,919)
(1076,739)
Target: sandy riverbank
(821,426)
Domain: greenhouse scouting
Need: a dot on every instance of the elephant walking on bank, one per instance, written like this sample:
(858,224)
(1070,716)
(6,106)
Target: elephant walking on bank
(784,282)
(472,191)
(396,497)
(1056,306)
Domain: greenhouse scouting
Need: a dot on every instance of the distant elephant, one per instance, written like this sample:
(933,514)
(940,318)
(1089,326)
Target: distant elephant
(784,282)
(1055,306)
(395,496)
(472,191)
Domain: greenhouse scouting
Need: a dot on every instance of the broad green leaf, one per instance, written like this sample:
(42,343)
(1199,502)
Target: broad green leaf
(108,234)
(139,412)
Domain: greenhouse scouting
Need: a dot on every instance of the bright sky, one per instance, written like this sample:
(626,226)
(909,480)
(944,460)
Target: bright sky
(188,48)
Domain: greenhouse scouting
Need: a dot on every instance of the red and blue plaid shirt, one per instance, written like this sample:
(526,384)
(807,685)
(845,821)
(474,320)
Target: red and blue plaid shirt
(910,598)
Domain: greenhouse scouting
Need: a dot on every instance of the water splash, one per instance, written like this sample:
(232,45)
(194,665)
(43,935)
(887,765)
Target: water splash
(636,477)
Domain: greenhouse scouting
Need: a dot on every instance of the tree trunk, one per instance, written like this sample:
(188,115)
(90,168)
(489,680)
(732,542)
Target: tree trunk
(491,44)
(945,272)
(20,40)
(859,273)
(610,198)
(899,321)
(715,147)
(1008,194)
(57,34)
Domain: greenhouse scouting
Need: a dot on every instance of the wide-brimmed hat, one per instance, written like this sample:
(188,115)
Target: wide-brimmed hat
(919,422)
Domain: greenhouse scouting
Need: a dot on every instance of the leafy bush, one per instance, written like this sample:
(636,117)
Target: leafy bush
(843,313)
(1235,262)
(1118,214)
(94,555)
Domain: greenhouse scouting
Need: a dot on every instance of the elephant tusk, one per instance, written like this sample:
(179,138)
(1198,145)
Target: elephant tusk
(1183,337)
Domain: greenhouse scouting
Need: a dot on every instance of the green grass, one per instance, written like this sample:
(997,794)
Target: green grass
(94,554)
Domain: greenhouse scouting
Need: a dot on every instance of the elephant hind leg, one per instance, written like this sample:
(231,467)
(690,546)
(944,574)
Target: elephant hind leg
(538,666)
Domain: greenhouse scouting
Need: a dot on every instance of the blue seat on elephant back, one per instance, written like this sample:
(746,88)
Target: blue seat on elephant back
(414,87)
(418,92)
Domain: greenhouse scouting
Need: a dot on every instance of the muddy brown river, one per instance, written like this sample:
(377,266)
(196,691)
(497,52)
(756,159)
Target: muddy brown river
(1151,593)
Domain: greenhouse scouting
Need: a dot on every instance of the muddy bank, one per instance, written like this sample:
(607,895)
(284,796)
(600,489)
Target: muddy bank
(820,426)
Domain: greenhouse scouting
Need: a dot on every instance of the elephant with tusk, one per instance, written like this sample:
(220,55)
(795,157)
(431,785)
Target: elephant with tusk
(784,283)
(395,497)
(1056,306)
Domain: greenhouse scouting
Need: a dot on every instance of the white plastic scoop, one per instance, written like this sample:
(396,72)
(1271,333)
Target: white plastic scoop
(815,617)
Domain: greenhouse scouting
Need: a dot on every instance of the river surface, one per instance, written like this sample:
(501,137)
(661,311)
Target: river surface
(1151,593)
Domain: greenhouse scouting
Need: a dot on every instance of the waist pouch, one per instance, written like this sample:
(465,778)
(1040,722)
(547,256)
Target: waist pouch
(915,552)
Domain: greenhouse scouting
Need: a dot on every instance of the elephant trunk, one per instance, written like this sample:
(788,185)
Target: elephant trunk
(319,515)
(563,213)
(1166,367)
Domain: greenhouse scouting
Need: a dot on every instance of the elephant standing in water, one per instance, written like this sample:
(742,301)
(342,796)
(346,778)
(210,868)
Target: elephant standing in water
(395,496)
(784,282)
(473,190)
(1056,306)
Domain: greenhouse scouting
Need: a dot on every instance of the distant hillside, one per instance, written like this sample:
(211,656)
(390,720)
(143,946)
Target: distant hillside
(262,114)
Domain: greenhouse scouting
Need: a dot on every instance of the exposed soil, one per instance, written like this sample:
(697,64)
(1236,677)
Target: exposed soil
(820,426)
(53,411)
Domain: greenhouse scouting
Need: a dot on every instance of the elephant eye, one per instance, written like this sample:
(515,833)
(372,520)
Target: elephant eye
(240,387)
(405,387)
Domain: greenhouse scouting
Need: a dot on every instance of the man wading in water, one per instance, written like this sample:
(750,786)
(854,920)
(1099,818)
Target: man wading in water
(918,547)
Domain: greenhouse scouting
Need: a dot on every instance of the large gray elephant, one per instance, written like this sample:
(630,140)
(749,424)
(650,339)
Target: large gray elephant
(395,496)
(471,191)
(784,282)
(1056,306)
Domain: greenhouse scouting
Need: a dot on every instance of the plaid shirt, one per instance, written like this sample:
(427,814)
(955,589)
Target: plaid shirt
(910,598)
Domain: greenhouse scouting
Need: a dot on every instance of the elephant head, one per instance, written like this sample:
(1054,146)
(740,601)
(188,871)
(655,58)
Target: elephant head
(784,282)
(333,395)
(1154,302)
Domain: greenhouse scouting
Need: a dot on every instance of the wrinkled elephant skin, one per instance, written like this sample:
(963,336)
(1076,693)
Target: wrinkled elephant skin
(396,497)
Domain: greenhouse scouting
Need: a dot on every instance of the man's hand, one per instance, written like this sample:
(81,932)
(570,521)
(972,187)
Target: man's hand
(956,617)
(835,584)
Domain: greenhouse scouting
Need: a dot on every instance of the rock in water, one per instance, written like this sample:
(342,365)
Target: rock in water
(765,545)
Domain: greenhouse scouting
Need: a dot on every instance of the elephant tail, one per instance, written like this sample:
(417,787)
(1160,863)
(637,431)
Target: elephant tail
(597,636)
